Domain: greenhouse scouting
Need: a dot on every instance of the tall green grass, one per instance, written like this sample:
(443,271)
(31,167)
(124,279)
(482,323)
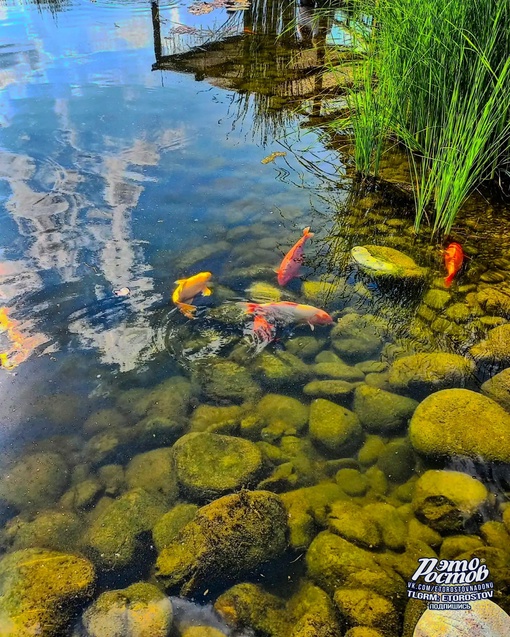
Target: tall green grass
(436,79)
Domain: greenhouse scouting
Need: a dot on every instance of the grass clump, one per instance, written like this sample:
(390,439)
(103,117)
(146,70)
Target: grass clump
(436,79)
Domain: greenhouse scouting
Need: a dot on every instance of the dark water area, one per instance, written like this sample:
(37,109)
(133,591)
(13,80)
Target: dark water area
(141,144)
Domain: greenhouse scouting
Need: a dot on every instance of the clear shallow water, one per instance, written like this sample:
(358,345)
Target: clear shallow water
(115,175)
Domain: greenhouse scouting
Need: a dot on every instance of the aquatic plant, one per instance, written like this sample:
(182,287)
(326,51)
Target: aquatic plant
(436,79)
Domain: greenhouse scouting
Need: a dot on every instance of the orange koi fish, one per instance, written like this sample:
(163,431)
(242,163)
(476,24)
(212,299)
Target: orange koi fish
(293,260)
(187,289)
(453,259)
(286,312)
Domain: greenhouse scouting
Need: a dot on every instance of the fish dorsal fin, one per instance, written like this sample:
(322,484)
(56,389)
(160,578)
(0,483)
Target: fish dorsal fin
(180,281)
(206,292)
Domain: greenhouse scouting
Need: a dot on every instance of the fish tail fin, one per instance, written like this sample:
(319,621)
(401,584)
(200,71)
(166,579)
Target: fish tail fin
(187,310)
(207,292)
(307,233)
(448,280)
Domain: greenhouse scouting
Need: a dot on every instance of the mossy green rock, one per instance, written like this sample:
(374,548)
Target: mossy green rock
(357,338)
(154,472)
(41,590)
(141,610)
(57,530)
(352,481)
(113,538)
(494,351)
(363,631)
(351,522)
(437,299)
(333,562)
(104,419)
(312,613)
(455,545)
(380,411)
(207,417)
(169,399)
(305,346)
(366,608)
(333,427)
(498,388)
(227,381)
(83,495)
(397,461)
(370,451)
(281,368)
(422,374)
(494,301)
(279,408)
(167,528)
(392,527)
(323,293)
(446,500)
(339,371)
(35,482)
(384,262)
(336,389)
(495,534)
(226,539)
(211,465)
(448,423)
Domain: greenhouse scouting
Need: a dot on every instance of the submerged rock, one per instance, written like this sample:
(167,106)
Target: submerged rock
(498,388)
(278,408)
(380,411)
(448,500)
(35,482)
(167,528)
(333,427)
(113,538)
(447,423)
(422,374)
(281,368)
(209,417)
(154,472)
(352,523)
(141,610)
(211,465)
(227,539)
(227,381)
(57,530)
(384,262)
(337,389)
(41,590)
(494,351)
(366,608)
(357,338)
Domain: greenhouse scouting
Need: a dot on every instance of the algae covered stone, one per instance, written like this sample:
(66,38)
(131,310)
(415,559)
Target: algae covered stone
(461,422)
(154,472)
(366,608)
(141,610)
(494,351)
(498,388)
(276,407)
(226,539)
(446,500)
(57,530)
(35,482)
(113,539)
(227,381)
(167,528)
(383,262)
(357,338)
(352,523)
(424,373)
(41,590)
(336,389)
(333,427)
(380,411)
(211,465)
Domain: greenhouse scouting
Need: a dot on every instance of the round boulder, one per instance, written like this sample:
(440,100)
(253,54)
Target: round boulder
(422,374)
(211,465)
(380,411)
(226,539)
(498,388)
(40,591)
(141,610)
(459,422)
(484,619)
(333,427)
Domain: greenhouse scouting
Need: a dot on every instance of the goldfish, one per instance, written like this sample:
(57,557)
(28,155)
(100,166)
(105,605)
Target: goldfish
(286,312)
(21,343)
(187,289)
(293,260)
(453,259)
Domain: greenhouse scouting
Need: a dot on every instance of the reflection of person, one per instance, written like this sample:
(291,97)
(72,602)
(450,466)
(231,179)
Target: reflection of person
(484,619)
(307,23)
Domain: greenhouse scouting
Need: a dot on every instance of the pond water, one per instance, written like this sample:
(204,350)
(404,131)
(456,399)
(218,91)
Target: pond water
(141,145)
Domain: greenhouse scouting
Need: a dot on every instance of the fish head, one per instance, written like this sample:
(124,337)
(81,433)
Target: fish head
(202,277)
(322,318)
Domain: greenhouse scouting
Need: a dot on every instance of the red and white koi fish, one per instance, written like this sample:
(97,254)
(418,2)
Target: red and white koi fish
(453,260)
(286,312)
(187,289)
(293,260)
(261,332)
